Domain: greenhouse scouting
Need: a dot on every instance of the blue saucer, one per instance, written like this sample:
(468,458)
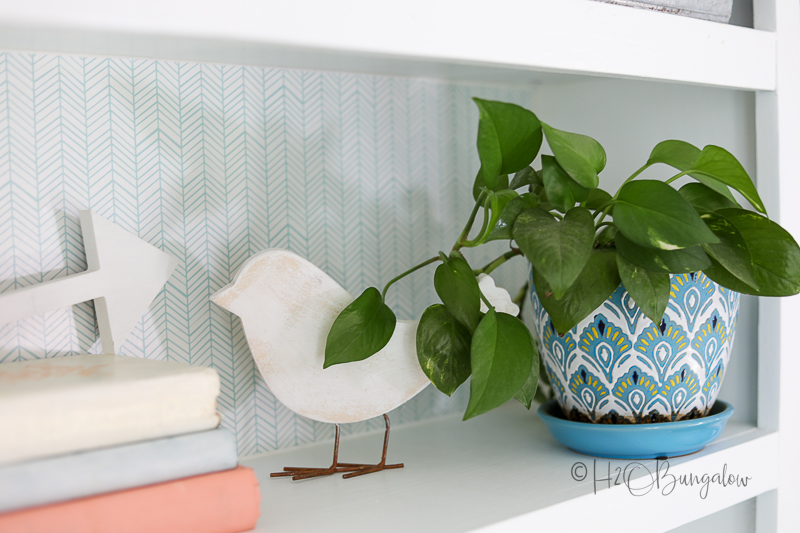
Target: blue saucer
(636,441)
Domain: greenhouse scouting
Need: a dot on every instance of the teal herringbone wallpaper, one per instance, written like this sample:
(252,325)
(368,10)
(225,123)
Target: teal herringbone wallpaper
(363,175)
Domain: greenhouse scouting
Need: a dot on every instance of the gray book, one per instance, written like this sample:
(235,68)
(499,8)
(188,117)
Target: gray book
(77,475)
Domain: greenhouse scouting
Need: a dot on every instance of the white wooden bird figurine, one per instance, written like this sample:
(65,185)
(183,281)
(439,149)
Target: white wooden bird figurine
(287,307)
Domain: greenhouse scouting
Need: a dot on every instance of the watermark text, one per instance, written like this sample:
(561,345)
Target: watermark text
(641,479)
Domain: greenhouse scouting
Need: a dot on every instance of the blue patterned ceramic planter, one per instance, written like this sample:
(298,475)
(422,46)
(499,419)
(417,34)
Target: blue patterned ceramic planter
(618,367)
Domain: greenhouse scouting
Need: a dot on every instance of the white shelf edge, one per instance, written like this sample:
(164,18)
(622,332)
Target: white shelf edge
(501,472)
(658,511)
(474,40)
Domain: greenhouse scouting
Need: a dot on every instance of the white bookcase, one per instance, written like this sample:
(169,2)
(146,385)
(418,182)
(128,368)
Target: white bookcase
(502,472)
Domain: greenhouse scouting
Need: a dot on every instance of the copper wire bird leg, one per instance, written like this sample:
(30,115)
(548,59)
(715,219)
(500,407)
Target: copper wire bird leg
(355,469)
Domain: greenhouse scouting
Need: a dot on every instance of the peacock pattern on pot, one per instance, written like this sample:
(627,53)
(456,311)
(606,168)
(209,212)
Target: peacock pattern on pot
(617,366)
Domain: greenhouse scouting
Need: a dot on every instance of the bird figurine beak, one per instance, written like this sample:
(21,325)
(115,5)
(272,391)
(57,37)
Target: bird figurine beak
(226,298)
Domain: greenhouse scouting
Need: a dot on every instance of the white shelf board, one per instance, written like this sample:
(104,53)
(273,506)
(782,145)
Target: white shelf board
(517,41)
(499,472)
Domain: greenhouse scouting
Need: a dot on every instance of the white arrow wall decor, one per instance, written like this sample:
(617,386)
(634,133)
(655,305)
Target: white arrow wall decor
(123,277)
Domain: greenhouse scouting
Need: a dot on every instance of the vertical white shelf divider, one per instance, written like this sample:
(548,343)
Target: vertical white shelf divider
(778,138)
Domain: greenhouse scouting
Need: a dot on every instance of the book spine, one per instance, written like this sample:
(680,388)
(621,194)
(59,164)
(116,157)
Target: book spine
(83,474)
(56,422)
(223,502)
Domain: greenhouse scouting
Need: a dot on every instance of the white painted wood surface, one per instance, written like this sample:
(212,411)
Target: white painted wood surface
(778,121)
(478,40)
(439,39)
(497,296)
(287,306)
(124,274)
(501,471)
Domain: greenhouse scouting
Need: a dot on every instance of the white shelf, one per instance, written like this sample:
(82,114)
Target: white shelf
(499,472)
(502,471)
(519,41)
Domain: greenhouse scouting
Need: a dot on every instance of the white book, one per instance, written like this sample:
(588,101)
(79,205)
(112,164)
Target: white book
(80,402)
(77,475)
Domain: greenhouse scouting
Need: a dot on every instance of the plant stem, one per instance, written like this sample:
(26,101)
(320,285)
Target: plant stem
(611,203)
(646,165)
(487,269)
(601,224)
(520,297)
(676,176)
(476,241)
(470,221)
(407,272)
(485,300)
(603,207)
(604,213)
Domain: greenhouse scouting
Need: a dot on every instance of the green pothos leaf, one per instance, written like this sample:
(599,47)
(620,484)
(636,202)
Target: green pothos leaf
(502,355)
(509,137)
(654,215)
(456,285)
(732,252)
(562,191)
(595,283)
(527,393)
(680,261)
(704,198)
(606,237)
(720,165)
(443,349)
(494,206)
(597,199)
(682,155)
(526,176)
(505,223)
(678,154)
(361,330)
(773,251)
(650,290)
(478,185)
(580,156)
(558,250)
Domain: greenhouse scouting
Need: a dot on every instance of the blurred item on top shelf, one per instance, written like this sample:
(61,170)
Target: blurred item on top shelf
(714,10)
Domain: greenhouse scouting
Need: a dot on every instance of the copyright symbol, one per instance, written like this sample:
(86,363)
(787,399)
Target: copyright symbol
(579,471)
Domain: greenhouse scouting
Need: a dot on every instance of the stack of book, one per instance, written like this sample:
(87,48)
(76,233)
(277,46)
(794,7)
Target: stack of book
(96,443)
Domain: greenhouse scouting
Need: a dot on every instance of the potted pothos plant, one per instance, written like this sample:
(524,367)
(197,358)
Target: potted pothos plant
(634,293)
